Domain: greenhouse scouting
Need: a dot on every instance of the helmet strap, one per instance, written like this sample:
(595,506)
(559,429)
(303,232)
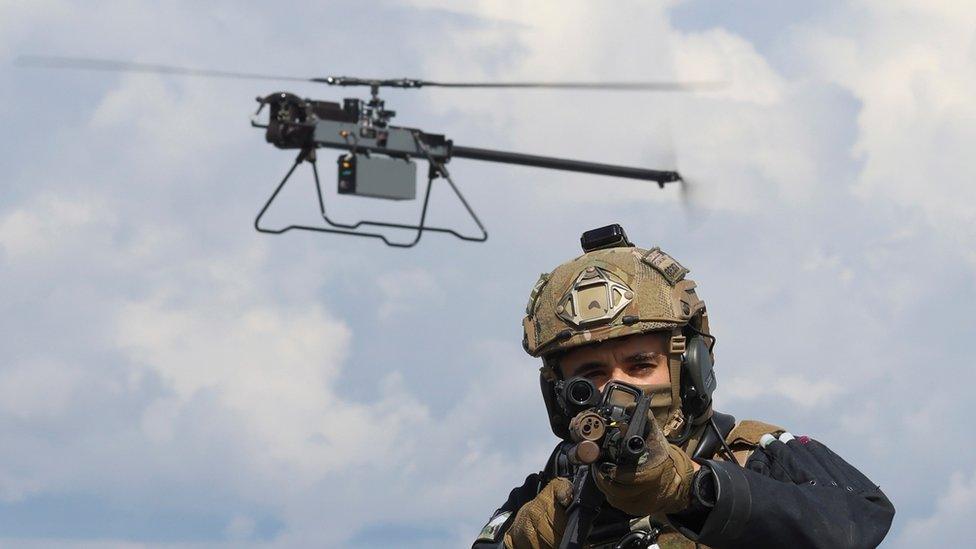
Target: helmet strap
(676,349)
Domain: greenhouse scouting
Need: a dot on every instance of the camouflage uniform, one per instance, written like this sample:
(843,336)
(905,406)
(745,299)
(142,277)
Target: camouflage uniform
(779,490)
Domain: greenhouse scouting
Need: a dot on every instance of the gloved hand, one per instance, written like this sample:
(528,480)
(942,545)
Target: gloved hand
(659,483)
(539,524)
(802,460)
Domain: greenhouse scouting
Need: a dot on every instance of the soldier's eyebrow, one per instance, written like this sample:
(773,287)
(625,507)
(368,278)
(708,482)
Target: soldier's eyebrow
(642,356)
(588,367)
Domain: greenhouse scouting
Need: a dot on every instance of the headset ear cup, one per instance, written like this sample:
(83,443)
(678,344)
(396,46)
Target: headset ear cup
(697,377)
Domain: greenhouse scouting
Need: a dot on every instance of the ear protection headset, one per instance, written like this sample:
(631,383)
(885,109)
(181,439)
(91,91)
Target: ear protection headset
(697,375)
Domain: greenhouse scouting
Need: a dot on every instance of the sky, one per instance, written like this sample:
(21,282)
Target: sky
(171,378)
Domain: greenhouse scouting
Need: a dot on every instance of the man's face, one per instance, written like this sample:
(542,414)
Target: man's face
(638,359)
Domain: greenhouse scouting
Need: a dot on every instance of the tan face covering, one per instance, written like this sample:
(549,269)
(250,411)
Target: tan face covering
(666,413)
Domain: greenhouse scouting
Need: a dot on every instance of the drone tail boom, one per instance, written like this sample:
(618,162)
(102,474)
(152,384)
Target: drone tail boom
(473,153)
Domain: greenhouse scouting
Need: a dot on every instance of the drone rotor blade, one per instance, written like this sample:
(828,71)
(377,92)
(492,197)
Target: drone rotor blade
(685,193)
(613,86)
(86,63)
(692,202)
(89,63)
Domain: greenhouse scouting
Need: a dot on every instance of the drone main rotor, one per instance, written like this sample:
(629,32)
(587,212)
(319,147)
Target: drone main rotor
(88,63)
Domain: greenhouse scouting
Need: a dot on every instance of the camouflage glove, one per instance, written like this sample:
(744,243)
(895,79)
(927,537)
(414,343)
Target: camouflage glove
(659,483)
(539,524)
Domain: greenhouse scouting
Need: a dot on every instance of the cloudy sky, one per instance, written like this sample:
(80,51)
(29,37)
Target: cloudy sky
(171,378)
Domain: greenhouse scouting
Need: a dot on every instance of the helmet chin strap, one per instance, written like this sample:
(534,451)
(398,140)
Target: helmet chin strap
(678,428)
(674,368)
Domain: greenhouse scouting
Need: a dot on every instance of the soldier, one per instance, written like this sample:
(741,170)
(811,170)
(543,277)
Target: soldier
(624,314)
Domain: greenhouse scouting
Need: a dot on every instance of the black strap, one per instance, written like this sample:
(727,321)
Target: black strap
(713,438)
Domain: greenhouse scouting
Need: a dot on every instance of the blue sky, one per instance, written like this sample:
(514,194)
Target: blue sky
(170,378)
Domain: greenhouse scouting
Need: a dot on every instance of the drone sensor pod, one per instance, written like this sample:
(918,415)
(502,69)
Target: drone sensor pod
(376,177)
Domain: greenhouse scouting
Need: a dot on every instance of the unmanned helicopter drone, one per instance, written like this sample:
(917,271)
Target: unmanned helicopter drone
(379,159)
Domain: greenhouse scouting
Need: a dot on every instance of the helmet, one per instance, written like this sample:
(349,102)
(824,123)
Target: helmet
(616,290)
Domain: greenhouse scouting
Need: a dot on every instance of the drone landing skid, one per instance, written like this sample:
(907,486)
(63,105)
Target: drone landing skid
(436,170)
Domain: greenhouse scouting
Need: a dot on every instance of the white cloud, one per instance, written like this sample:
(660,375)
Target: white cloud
(950,524)
(270,368)
(719,55)
(911,66)
(821,261)
(802,391)
(240,528)
(406,289)
(38,389)
(172,128)
(49,223)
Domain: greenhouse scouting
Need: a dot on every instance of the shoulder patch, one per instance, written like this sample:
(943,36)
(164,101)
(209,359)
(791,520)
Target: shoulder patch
(491,532)
(749,432)
(663,263)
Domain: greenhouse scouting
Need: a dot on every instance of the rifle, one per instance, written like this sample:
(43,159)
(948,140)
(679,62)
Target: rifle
(608,430)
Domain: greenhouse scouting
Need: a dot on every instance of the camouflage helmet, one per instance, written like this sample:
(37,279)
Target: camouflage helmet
(611,292)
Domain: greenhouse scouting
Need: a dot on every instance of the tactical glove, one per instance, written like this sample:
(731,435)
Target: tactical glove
(539,524)
(659,483)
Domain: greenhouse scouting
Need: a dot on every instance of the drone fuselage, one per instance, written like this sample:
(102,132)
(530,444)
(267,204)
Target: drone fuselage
(359,127)
(294,123)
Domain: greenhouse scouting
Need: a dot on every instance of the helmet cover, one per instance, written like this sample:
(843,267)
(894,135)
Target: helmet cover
(609,293)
